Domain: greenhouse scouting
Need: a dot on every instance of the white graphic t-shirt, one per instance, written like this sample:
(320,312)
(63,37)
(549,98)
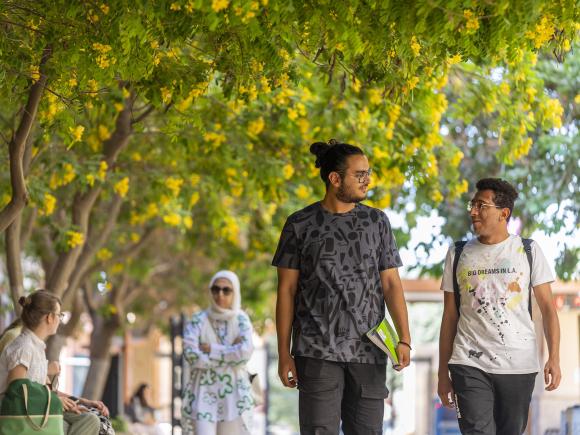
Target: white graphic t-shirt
(495,332)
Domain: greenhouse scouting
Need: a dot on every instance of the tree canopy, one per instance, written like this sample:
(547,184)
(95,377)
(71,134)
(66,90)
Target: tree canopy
(150,142)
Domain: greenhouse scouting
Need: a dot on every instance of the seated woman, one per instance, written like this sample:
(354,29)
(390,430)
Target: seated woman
(24,357)
(141,413)
(217,344)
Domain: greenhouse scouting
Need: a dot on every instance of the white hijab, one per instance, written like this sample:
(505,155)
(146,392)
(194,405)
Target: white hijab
(216,312)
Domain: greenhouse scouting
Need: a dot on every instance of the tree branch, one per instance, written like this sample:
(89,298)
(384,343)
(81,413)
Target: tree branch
(17,146)
(95,241)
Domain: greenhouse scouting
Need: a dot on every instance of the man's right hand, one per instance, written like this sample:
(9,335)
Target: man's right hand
(445,391)
(69,405)
(287,371)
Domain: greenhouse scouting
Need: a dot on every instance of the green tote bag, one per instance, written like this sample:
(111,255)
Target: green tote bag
(29,408)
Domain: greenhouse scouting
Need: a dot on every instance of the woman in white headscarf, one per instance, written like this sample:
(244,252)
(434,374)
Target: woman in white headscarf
(217,395)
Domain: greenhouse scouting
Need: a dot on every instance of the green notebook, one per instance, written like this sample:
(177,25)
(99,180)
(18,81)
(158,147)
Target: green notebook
(386,339)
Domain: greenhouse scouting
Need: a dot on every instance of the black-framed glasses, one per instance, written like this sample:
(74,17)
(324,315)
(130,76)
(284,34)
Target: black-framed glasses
(478,205)
(363,176)
(216,289)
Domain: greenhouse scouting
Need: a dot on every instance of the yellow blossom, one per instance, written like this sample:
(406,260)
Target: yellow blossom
(288,171)
(303,126)
(77,132)
(49,204)
(175,7)
(219,5)
(292,114)
(102,172)
(436,196)
(90,179)
(384,202)
(104,254)
(577,99)
(542,33)
(256,127)
(74,239)
(454,59)
(231,230)
(103,132)
(166,95)
(115,270)
(375,96)
(174,185)
(566,45)
(119,107)
(68,175)
(193,199)
(122,187)
(456,159)
(93,87)
(34,73)
(412,82)
(237,190)
(504,88)
(415,46)
(194,179)
(188,222)
(172,219)
(104,8)
(135,237)
(72,82)
(356,84)
(472,23)
(303,192)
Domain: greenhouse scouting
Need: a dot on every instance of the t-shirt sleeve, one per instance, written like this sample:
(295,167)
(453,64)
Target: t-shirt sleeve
(389,253)
(19,356)
(447,280)
(541,272)
(287,254)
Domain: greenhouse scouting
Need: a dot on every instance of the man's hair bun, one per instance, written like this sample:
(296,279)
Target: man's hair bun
(319,149)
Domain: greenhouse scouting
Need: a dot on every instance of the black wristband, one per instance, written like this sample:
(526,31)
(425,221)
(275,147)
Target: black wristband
(406,344)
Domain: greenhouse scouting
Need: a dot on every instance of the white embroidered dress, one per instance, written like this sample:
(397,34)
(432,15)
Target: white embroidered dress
(217,387)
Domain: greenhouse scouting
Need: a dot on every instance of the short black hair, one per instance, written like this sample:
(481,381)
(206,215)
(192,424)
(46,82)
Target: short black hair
(504,194)
(332,157)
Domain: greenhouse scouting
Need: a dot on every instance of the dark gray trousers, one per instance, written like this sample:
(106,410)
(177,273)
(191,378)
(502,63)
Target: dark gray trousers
(333,391)
(491,404)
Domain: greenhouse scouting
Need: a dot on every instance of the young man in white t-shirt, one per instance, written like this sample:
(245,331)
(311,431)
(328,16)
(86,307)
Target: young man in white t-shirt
(488,357)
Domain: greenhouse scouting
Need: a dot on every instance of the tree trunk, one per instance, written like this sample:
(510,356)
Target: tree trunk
(101,339)
(13,263)
(17,147)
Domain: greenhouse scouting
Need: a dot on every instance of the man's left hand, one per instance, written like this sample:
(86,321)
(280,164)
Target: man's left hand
(404,354)
(552,374)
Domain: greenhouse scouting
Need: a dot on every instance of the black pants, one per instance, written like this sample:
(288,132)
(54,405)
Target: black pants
(331,391)
(491,404)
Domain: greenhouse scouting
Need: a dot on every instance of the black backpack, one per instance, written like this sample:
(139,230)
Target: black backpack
(459,249)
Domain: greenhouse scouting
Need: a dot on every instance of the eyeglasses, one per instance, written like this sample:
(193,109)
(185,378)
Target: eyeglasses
(363,176)
(59,315)
(478,205)
(215,289)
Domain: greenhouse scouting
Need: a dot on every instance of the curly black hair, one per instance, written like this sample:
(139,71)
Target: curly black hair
(504,194)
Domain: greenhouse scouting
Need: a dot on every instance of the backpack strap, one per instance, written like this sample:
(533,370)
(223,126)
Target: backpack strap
(456,291)
(528,249)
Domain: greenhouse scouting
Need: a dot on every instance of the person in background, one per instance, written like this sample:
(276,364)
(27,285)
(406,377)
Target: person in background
(217,395)
(141,413)
(22,355)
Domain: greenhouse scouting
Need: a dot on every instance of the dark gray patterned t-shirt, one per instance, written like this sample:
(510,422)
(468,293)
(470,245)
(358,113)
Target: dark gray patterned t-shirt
(339,297)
